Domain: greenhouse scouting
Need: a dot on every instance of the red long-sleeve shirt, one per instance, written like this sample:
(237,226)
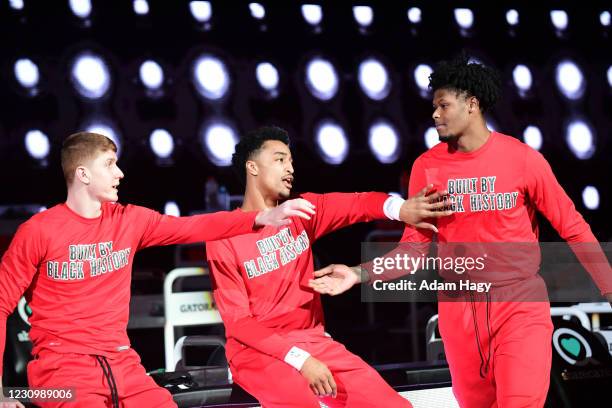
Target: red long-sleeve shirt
(261,279)
(495,192)
(77,270)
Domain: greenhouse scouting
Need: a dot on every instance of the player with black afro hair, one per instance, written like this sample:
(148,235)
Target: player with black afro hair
(469,79)
(463,92)
(498,344)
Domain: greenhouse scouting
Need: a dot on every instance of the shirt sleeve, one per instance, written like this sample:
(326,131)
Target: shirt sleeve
(233,303)
(167,230)
(19,265)
(545,192)
(338,210)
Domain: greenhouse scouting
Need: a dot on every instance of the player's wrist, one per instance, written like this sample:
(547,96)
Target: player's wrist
(361,274)
(392,206)
(358,272)
(296,357)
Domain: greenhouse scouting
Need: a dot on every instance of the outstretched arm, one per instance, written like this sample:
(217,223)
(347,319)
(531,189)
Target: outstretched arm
(419,212)
(338,210)
(167,230)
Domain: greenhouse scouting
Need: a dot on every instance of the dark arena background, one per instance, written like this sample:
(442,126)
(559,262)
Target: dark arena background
(176,83)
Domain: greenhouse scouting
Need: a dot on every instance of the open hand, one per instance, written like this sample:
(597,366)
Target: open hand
(417,209)
(335,279)
(280,215)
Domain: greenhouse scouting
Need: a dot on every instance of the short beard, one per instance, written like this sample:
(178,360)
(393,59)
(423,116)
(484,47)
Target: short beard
(448,138)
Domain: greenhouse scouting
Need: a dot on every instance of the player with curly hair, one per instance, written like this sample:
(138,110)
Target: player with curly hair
(498,346)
